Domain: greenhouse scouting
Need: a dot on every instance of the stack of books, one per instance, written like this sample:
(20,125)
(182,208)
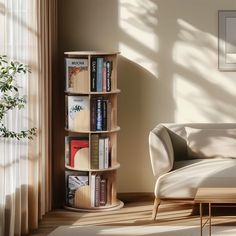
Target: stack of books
(100,152)
(101,114)
(101,73)
(99,190)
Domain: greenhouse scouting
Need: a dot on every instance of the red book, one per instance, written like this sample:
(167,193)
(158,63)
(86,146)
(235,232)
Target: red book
(75,146)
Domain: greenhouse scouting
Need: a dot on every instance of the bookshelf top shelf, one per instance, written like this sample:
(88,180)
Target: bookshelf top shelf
(92,53)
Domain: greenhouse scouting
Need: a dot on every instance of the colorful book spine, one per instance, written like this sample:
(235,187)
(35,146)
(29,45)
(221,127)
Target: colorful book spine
(108,75)
(104,114)
(104,74)
(103,192)
(93,74)
(97,190)
(99,115)
(99,74)
(94,151)
(93,113)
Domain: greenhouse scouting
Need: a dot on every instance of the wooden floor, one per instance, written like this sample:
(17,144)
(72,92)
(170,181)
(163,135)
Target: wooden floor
(135,213)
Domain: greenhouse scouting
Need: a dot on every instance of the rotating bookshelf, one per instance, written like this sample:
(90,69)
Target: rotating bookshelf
(91,124)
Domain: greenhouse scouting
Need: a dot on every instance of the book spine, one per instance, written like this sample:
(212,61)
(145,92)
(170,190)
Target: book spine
(93,74)
(109,108)
(108,75)
(92,190)
(104,114)
(66,112)
(67,151)
(109,153)
(99,115)
(103,192)
(94,151)
(106,153)
(101,153)
(93,114)
(97,190)
(104,74)
(99,73)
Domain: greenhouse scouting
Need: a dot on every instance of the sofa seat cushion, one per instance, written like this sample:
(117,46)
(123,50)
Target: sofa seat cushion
(187,176)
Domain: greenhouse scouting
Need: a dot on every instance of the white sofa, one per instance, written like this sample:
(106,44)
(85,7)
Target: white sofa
(187,156)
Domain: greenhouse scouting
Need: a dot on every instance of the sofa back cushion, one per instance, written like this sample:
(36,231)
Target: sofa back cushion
(178,135)
(210,143)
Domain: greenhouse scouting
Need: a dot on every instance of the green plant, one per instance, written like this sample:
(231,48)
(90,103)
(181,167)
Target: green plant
(10,97)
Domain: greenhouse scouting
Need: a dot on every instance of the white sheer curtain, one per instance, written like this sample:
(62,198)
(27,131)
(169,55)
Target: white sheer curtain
(25,192)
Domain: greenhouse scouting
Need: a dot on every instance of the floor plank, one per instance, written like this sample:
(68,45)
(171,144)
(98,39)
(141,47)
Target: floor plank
(135,213)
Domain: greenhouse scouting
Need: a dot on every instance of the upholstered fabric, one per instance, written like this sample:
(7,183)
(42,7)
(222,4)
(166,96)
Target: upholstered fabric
(161,151)
(178,175)
(187,176)
(211,143)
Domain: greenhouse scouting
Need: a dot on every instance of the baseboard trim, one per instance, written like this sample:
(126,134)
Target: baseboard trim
(136,197)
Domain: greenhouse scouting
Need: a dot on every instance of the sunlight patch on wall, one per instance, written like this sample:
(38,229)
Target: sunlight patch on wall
(202,93)
(139,42)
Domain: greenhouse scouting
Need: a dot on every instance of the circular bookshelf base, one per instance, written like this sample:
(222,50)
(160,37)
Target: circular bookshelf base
(117,206)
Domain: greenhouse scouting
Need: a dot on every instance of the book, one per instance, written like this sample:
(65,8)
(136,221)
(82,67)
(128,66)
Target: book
(108,75)
(97,190)
(109,118)
(74,181)
(103,192)
(94,151)
(66,112)
(92,189)
(93,74)
(93,113)
(79,153)
(67,151)
(99,114)
(101,153)
(106,153)
(78,113)
(77,75)
(99,74)
(104,114)
(104,74)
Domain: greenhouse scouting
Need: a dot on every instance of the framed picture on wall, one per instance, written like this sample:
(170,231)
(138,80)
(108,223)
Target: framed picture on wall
(227,40)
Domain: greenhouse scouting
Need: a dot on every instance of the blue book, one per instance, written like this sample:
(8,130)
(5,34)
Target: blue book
(99,74)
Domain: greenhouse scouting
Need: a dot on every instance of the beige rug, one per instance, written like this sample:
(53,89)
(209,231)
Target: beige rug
(141,230)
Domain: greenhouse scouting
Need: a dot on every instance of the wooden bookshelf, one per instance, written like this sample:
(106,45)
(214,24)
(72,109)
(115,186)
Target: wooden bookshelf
(85,184)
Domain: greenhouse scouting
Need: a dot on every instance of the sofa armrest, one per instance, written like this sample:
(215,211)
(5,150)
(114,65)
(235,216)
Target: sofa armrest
(161,150)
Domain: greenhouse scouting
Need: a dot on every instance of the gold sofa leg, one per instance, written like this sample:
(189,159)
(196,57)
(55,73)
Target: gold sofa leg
(157,203)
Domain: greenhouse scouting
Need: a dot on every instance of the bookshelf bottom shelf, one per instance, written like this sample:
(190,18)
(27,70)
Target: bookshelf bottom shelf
(113,207)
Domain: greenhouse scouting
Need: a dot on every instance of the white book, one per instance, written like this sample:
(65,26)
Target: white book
(106,153)
(78,113)
(92,189)
(101,153)
(77,75)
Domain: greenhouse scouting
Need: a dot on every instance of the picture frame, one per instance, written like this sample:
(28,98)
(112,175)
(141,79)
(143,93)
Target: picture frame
(227,40)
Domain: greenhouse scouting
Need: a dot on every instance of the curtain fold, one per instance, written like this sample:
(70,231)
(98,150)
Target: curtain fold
(29,35)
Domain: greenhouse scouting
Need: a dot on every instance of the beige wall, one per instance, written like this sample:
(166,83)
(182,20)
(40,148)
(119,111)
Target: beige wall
(167,69)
